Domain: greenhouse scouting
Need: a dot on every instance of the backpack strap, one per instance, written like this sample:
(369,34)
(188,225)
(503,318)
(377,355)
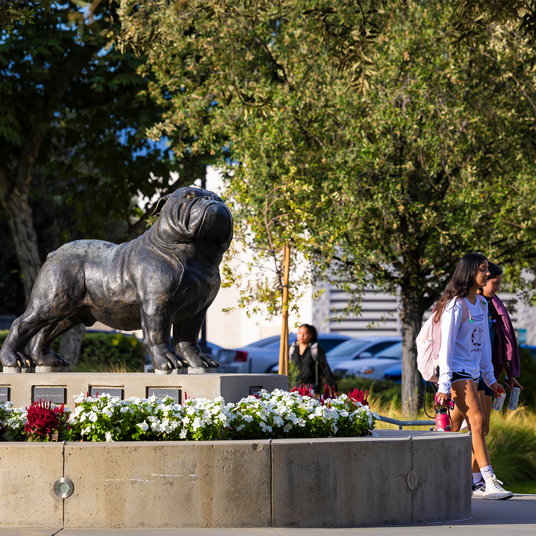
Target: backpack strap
(465,309)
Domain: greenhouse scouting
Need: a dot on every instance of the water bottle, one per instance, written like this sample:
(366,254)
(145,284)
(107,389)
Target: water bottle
(514,398)
(442,419)
(499,400)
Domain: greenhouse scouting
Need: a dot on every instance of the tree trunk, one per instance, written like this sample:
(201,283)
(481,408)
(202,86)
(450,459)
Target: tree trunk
(411,317)
(19,218)
(70,345)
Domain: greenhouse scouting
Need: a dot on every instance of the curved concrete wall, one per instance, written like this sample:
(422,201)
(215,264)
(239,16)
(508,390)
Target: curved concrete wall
(338,482)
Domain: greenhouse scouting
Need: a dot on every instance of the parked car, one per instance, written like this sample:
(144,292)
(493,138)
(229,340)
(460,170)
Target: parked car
(373,367)
(263,356)
(394,373)
(213,349)
(360,348)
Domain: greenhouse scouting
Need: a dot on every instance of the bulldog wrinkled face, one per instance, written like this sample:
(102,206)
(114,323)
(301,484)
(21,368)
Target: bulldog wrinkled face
(198,214)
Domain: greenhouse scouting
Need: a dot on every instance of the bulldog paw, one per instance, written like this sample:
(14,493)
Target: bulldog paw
(49,359)
(12,358)
(195,356)
(164,357)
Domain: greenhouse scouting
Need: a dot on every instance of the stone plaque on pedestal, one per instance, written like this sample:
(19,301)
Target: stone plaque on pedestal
(54,395)
(112,391)
(4,395)
(162,393)
(23,389)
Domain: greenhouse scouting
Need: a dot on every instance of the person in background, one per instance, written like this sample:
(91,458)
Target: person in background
(465,353)
(505,352)
(310,358)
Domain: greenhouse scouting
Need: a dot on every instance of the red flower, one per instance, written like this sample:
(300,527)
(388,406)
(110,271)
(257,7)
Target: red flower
(359,396)
(302,390)
(44,420)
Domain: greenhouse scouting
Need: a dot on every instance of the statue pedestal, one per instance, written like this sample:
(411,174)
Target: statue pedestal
(60,387)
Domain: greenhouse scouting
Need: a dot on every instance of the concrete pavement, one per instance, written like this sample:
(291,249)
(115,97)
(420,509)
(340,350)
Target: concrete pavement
(516,516)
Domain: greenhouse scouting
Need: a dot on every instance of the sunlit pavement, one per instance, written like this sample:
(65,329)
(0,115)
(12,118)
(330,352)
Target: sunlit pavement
(515,516)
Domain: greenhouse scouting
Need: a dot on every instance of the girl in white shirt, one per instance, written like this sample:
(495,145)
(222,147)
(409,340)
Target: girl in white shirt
(465,353)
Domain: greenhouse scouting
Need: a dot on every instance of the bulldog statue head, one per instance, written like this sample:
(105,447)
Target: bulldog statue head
(194,216)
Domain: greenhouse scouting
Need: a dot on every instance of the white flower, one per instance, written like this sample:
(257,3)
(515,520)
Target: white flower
(109,436)
(143,425)
(93,417)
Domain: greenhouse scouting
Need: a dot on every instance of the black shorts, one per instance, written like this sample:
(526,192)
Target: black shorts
(483,387)
(457,376)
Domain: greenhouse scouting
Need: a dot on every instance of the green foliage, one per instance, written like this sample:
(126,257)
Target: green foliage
(390,190)
(527,378)
(380,392)
(293,372)
(524,487)
(101,351)
(73,141)
(12,421)
(274,415)
(512,445)
(12,11)
(3,335)
(95,138)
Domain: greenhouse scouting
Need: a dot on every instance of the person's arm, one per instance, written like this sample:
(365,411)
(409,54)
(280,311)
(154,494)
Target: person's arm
(510,381)
(486,366)
(326,370)
(451,320)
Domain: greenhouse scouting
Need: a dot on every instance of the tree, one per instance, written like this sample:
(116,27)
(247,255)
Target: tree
(388,191)
(73,138)
(348,30)
(77,115)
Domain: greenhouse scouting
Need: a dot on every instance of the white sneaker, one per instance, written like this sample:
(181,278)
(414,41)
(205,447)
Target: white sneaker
(479,488)
(495,491)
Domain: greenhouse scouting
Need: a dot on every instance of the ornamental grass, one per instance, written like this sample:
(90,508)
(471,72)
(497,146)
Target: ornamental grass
(511,440)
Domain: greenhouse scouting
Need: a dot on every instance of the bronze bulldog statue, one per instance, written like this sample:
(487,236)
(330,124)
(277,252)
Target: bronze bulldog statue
(167,278)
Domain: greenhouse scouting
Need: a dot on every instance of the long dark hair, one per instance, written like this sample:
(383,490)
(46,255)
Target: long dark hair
(462,280)
(312,331)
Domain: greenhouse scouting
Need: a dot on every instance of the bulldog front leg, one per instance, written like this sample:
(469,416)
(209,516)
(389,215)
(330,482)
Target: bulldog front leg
(156,340)
(185,337)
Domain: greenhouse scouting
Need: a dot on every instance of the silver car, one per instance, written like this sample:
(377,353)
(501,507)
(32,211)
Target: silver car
(361,348)
(263,356)
(374,367)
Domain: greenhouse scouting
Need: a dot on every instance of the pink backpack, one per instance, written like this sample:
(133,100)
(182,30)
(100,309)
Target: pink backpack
(429,344)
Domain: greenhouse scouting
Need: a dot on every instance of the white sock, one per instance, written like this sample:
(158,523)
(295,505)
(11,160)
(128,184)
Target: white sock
(487,472)
(477,477)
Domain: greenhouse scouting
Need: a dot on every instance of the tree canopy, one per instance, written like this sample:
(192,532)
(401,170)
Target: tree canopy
(74,124)
(388,190)
(348,29)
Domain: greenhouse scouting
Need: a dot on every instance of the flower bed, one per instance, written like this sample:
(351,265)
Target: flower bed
(279,414)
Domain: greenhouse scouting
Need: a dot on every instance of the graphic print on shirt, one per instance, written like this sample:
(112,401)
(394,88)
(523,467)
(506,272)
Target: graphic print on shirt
(477,337)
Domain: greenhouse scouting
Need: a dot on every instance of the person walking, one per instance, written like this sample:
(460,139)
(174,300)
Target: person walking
(505,352)
(465,353)
(310,358)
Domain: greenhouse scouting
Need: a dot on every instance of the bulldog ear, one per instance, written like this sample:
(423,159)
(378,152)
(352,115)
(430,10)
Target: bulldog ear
(161,202)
